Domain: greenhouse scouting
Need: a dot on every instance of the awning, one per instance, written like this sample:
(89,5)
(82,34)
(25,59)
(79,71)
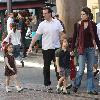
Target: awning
(23,4)
(4,1)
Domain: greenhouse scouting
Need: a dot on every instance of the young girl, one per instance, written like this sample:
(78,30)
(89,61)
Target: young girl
(63,64)
(10,67)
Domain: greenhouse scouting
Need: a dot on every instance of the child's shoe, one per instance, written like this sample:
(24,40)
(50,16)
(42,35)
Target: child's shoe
(58,89)
(19,88)
(61,88)
(69,86)
(7,89)
(65,91)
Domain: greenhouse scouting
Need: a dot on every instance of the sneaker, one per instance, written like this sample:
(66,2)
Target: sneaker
(7,89)
(19,88)
(65,91)
(69,86)
(61,88)
(58,88)
(93,92)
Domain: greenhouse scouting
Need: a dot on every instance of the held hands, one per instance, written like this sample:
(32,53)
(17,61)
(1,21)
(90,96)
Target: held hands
(72,53)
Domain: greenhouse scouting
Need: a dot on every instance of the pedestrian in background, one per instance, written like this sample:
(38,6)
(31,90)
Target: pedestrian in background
(63,65)
(23,29)
(57,17)
(10,20)
(14,37)
(34,25)
(51,31)
(10,68)
(86,33)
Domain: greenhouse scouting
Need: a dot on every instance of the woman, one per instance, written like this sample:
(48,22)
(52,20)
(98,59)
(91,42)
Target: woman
(85,31)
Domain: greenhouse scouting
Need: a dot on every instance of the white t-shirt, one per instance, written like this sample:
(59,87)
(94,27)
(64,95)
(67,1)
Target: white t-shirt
(50,33)
(15,37)
(9,21)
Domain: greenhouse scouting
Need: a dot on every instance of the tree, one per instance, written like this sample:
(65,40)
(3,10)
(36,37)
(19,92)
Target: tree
(69,12)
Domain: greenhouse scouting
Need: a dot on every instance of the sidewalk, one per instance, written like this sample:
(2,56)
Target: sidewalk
(31,80)
(31,77)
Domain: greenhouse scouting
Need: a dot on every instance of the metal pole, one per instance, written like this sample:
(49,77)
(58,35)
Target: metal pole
(2,13)
(9,6)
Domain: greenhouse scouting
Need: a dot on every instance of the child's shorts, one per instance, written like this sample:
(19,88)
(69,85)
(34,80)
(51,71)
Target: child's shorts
(64,72)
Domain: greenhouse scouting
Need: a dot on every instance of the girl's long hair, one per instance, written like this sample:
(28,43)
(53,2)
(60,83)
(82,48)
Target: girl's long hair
(6,47)
(61,42)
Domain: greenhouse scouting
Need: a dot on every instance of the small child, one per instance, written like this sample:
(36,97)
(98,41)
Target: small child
(10,67)
(63,64)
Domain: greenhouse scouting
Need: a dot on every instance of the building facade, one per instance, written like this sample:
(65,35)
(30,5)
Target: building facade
(95,7)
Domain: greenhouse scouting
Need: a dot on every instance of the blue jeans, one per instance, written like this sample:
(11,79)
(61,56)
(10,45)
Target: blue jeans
(16,50)
(88,55)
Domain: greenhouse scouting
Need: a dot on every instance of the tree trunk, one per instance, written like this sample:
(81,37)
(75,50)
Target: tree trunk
(69,13)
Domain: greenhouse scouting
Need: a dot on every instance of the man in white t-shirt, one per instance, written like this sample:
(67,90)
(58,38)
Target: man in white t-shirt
(10,20)
(51,30)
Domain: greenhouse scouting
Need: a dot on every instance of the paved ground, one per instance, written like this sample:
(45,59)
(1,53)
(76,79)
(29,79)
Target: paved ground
(31,79)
